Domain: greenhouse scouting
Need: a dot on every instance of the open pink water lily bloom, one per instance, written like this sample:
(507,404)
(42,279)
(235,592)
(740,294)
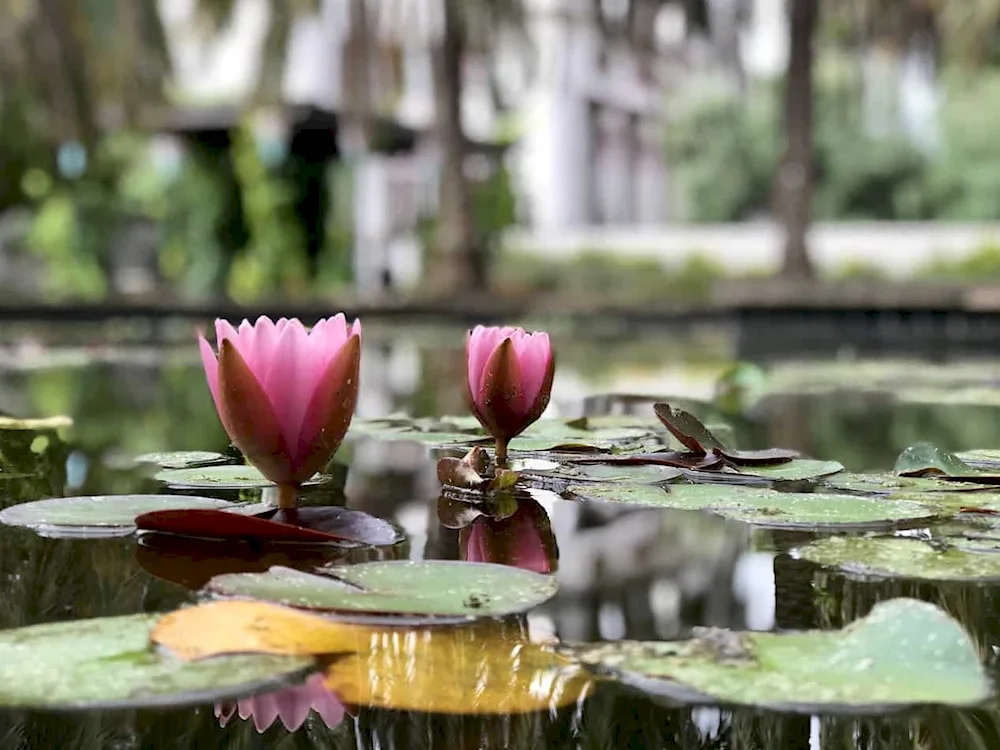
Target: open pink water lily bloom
(510,379)
(291,705)
(285,394)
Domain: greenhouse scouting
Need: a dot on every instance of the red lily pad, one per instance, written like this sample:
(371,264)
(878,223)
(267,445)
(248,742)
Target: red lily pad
(192,563)
(324,525)
(695,436)
(687,428)
(766,457)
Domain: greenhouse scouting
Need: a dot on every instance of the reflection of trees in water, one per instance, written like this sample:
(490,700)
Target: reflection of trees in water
(867,431)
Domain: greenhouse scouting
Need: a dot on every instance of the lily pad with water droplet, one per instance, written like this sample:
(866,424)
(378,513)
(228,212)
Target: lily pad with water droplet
(561,436)
(181,459)
(110,663)
(228,477)
(426,590)
(904,653)
(765,507)
(898,557)
(99,515)
(926,459)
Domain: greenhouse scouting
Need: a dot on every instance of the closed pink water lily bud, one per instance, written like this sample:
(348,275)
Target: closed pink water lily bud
(284,393)
(291,705)
(510,380)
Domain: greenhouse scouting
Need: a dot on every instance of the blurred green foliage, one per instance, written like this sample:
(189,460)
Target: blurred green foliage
(725,152)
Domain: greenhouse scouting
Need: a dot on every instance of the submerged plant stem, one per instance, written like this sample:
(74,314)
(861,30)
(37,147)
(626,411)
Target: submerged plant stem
(287,496)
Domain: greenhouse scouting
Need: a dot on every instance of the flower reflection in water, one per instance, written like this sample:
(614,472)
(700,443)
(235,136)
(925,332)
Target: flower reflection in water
(522,540)
(292,705)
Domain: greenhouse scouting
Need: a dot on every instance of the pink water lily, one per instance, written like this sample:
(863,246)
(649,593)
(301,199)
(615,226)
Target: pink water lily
(285,394)
(291,705)
(510,380)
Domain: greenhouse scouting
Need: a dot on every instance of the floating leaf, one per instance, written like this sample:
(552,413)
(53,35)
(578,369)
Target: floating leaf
(696,437)
(887,483)
(485,668)
(109,663)
(432,588)
(429,670)
(181,459)
(765,507)
(687,428)
(99,515)
(558,435)
(315,525)
(237,627)
(228,477)
(927,459)
(981,458)
(679,459)
(431,431)
(796,469)
(904,653)
(192,563)
(650,474)
(898,557)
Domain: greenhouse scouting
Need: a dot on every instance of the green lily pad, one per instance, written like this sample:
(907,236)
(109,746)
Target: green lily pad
(558,435)
(181,459)
(886,483)
(765,507)
(228,477)
(544,435)
(648,474)
(427,590)
(796,469)
(981,458)
(110,663)
(897,557)
(927,459)
(431,431)
(904,653)
(98,515)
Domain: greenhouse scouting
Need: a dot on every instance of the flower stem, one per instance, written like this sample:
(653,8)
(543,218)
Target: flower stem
(501,453)
(286,496)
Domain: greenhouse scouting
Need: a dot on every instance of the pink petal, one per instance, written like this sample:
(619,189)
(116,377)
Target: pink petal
(293,706)
(330,710)
(265,711)
(475,545)
(211,364)
(481,343)
(224,712)
(287,384)
(265,341)
(533,355)
(223,330)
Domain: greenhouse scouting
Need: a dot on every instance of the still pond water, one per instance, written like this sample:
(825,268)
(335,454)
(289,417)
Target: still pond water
(624,573)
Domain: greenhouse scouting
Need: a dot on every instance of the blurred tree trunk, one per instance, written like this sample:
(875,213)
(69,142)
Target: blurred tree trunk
(793,186)
(454,262)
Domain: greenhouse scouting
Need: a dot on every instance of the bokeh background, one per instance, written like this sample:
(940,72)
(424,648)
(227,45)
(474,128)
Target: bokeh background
(579,151)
